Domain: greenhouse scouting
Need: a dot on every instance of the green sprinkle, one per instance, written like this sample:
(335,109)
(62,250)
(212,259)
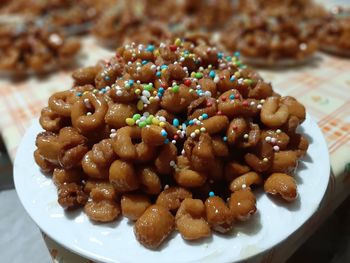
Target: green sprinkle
(198,75)
(149,120)
(148,87)
(175,88)
(142,124)
(136,116)
(248,81)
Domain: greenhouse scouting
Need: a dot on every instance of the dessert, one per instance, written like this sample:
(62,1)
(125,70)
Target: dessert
(172,136)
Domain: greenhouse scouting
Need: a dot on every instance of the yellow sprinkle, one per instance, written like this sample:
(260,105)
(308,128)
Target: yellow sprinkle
(151,99)
(155,93)
(155,121)
(95,91)
(156,52)
(130,121)
(197,131)
(137,91)
(85,92)
(139,105)
(178,41)
(162,124)
(193,74)
(191,55)
(237,74)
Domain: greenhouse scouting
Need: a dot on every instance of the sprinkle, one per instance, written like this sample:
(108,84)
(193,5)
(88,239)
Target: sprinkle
(187,82)
(237,74)
(163,133)
(216,79)
(232,79)
(244,186)
(119,93)
(220,55)
(198,122)
(276,148)
(166,186)
(197,131)
(248,81)
(173,142)
(149,119)
(245,103)
(173,47)
(79,94)
(212,74)
(150,48)
(252,103)
(224,138)
(144,62)
(219,112)
(153,67)
(211,194)
(265,160)
(273,140)
(137,91)
(232,97)
(268,139)
(193,135)
(191,122)
(176,122)
(203,129)
(207,93)
(130,121)
(246,136)
(107,78)
(262,101)
(172,163)
(88,113)
(139,105)
(162,119)
(162,124)
(278,131)
(131,82)
(198,75)
(178,42)
(237,54)
(166,141)
(155,121)
(259,106)
(136,116)
(142,124)
(175,89)
(158,74)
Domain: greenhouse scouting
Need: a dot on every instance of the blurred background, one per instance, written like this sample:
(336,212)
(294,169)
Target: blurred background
(42,41)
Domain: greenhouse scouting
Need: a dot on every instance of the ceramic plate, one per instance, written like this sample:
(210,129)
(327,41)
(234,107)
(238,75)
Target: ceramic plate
(115,242)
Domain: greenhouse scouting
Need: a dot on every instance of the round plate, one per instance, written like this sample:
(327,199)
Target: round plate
(115,242)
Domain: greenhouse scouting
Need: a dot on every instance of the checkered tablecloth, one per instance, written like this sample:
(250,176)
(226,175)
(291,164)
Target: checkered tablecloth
(323,86)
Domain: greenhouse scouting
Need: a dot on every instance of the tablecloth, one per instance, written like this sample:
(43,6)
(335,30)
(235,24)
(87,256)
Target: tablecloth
(323,86)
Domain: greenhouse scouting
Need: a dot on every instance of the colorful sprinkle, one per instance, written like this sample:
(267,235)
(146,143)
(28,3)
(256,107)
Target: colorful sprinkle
(198,75)
(163,133)
(130,121)
(142,124)
(212,74)
(139,105)
(211,194)
(176,122)
(224,138)
(175,89)
(150,48)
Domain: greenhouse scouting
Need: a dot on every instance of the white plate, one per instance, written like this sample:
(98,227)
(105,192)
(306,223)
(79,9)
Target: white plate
(115,242)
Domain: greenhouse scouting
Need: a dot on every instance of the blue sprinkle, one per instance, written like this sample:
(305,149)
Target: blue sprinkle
(224,139)
(166,141)
(232,78)
(232,97)
(163,66)
(176,122)
(161,90)
(158,74)
(107,78)
(205,116)
(144,62)
(186,52)
(131,82)
(79,94)
(212,74)
(184,126)
(211,194)
(150,48)
(191,122)
(220,55)
(159,94)
(237,54)
(228,58)
(103,90)
(163,133)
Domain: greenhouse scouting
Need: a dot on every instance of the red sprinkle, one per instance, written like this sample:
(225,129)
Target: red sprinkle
(237,96)
(164,85)
(219,113)
(176,137)
(234,127)
(245,103)
(187,82)
(223,98)
(173,47)
(208,104)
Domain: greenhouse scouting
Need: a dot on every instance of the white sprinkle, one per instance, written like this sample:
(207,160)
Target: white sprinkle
(172,163)
(303,46)
(244,186)
(216,79)
(193,135)
(276,148)
(238,203)
(278,131)
(113,130)
(207,93)
(246,136)
(143,118)
(108,88)
(166,186)
(198,87)
(146,93)
(252,103)
(273,140)
(262,101)
(138,64)
(138,82)
(119,92)
(268,138)
(183,152)
(198,122)
(185,68)
(88,113)
(265,159)
(203,129)
(146,114)
(153,67)
(162,45)
(112,135)
(56,39)
(137,121)
(173,142)
(144,99)
(259,106)
(162,118)
(182,59)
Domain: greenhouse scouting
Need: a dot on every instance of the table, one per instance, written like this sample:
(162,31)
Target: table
(323,86)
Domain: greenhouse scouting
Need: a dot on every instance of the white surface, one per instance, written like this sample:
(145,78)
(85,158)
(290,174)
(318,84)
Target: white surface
(108,242)
(20,238)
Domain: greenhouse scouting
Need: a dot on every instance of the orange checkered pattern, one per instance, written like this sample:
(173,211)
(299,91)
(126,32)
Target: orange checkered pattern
(323,86)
